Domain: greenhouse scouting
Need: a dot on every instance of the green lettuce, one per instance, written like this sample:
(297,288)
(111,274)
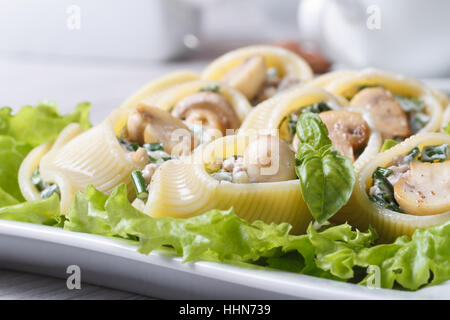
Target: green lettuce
(39,212)
(447,128)
(336,252)
(40,124)
(412,263)
(6,199)
(20,133)
(12,153)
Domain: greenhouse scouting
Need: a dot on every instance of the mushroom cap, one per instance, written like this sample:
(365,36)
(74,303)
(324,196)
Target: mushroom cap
(148,124)
(210,101)
(348,131)
(424,191)
(388,115)
(269,159)
(249,76)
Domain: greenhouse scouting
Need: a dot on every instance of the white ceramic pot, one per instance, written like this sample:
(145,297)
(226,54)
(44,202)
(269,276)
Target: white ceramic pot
(407,36)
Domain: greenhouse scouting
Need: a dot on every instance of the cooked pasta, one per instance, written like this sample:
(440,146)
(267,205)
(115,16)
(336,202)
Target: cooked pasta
(259,72)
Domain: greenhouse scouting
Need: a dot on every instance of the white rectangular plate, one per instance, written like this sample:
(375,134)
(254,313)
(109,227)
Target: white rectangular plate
(115,263)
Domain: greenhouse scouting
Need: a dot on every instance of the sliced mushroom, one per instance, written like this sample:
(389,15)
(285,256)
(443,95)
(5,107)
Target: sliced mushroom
(249,76)
(269,159)
(424,191)
(388,115)
(212,109)
(347,130)
(149,124)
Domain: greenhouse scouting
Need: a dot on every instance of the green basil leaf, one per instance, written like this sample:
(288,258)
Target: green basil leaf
(326,177)
(326,183)
(311,130)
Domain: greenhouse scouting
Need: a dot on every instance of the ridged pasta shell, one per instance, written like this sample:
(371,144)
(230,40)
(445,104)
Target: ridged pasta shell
(348,85)
(183,188)
(284,60)
(269,114)
(325,79)
(169,98)
(154,88)
(361,212)
(77,159)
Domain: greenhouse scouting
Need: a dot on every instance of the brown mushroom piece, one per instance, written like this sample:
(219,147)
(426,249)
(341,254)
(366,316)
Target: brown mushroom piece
(269,159)
(348,131)
(248,77)
(211,109)
(149,124)
(388,115)
(425,189)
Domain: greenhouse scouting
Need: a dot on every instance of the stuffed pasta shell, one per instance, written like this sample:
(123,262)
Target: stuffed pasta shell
(403,188)
(351,130)
(259,72)
(400,106)
(255,175)
(206,105)
(148,93)
(129,143)
(325,79)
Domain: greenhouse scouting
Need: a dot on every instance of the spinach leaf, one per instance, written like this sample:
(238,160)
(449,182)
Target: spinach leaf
(326,177)
(317,107)
(435,153)
(384,194)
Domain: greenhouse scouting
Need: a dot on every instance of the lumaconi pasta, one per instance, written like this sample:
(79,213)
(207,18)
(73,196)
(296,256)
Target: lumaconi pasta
(325,79)
(135,139)
(429,185)
(106,155)
(77,159)
(259,72)
(173,95)
(148,93)
(281,112)
(411,106)
(185,188)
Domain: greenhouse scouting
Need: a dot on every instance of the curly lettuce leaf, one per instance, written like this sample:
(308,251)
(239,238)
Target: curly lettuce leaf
(222,236)
(40,124)
(338,252)
(87,213)
(6,199)
(28,128)
(214,236)
(39,212)
(447,128)
(412,263)
(12,153)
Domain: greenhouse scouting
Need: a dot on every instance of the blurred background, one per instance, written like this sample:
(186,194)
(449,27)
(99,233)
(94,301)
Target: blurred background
(102,51)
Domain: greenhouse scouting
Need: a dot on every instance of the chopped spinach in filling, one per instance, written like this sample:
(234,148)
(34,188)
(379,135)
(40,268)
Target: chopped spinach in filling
(382,190)
(45,188)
